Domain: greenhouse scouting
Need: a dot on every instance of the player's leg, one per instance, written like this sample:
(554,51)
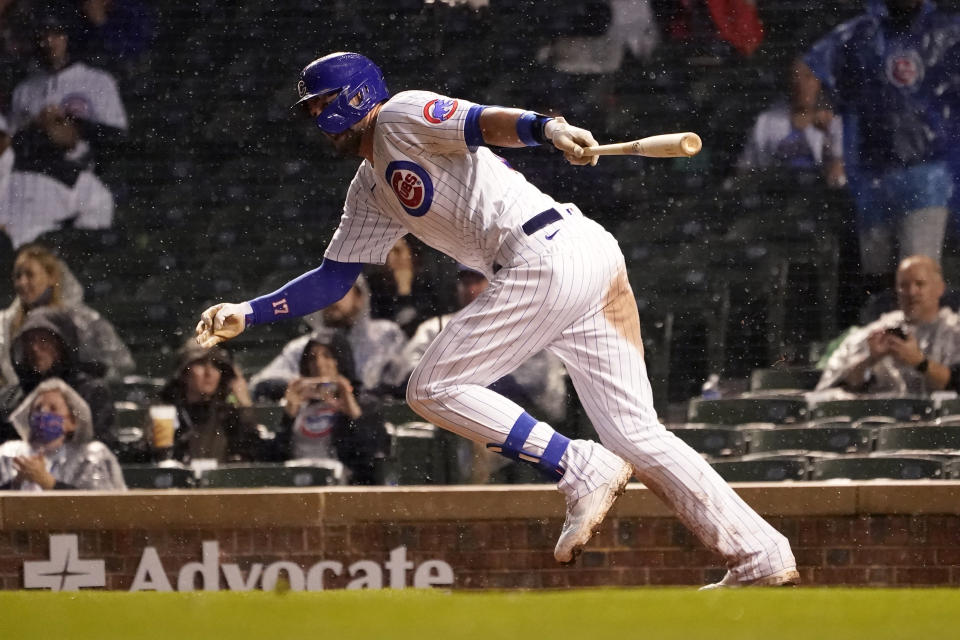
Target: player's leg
(604,357)
(922,193)
(515,317)
(519,313)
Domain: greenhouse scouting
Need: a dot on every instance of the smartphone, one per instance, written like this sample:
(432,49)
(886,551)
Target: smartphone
(897,331)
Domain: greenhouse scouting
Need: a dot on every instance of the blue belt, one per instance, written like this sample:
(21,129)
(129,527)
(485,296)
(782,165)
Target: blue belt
(534,224)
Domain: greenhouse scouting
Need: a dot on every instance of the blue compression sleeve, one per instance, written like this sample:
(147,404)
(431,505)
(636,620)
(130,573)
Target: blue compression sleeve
(305,294)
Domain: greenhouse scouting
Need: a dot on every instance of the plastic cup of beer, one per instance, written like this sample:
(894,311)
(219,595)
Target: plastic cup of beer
(164,418)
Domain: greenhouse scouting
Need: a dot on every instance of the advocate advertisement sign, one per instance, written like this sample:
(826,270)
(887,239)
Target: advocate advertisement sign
(64,570)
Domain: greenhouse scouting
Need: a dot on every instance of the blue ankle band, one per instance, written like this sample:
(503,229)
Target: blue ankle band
(512,447)
(550,460)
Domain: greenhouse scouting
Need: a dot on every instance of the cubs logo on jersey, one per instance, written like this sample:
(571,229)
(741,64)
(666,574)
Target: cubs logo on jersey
(439,109)
(77,105)
(904,69)
(412,186)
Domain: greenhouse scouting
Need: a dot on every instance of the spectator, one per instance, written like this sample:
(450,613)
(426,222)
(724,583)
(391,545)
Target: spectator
(322,415)
(403,290)
(892,74)
(46,346)
(797,135)
(40,279)
(56,449)
(212,416)
(6,157)
(115,32)
(373,343)
(908,351)
(540,382)
(60,117)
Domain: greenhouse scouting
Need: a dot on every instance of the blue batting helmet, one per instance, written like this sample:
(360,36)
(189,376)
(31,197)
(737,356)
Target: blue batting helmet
(354,77)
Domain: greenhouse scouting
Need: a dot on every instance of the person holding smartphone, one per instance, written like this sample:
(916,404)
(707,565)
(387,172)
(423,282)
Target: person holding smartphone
(908,351)
(321,403)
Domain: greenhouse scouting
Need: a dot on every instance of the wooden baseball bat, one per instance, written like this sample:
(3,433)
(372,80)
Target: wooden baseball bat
(668,145)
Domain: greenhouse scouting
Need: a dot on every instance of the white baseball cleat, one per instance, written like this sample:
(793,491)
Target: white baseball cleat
(585,514)
(782,578)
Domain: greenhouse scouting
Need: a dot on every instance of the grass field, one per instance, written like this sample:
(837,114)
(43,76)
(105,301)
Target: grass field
(658,614)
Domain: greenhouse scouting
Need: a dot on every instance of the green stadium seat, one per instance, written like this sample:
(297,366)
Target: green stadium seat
(139,390)
(734,411)
(909,409)
(880,467)
(930,438)
(149,476)
(317,474)
(949,407)
(835,439)
(714,441)
(784,378)
(766,469)
(418,455)
(269,415)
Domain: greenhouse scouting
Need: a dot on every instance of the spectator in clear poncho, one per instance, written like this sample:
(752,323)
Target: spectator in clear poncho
(40,279)
(47,346)
(907,351)
(56,449)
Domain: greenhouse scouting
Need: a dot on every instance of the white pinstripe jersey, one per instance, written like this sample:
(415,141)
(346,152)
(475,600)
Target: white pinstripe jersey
(427,179)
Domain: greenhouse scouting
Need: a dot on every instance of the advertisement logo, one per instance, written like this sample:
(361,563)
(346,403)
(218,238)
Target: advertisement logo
(65,571)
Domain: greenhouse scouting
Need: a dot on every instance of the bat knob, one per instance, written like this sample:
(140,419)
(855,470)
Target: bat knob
(691,144)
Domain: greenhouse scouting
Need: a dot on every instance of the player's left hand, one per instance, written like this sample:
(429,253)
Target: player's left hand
(571,141)
(220,322)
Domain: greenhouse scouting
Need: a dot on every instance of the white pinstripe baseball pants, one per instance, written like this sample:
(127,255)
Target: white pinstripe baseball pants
(574,299)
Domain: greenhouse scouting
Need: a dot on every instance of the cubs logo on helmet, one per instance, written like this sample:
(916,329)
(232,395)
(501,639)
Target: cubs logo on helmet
(439,109)
(412,186)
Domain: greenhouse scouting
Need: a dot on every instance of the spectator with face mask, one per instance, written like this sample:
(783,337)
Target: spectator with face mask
(56,449)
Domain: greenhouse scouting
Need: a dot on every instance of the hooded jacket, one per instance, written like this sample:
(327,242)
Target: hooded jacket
(79,463)
(213,428)
(98,340)
(93,390)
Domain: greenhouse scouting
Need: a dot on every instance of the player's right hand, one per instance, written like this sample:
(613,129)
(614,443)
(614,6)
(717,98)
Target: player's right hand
(220,322)
(571,141)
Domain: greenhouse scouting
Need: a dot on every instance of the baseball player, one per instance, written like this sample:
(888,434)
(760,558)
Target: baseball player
(557,281)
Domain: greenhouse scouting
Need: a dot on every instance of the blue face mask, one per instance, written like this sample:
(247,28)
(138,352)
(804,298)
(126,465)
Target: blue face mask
(45,427)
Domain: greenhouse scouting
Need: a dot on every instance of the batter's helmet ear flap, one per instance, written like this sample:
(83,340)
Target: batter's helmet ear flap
(357,81)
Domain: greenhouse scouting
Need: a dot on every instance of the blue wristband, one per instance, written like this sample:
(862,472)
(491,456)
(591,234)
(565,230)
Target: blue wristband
(530,128)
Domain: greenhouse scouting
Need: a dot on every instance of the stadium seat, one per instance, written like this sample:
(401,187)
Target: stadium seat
(877,467)
(417,455)
(139,390)
(908,409)
(949,407)
(927,437)
(835,439)
(714,441)
(766,469)
(784,378)
(149,476)
(269,415)
(318,473)
(733,411)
